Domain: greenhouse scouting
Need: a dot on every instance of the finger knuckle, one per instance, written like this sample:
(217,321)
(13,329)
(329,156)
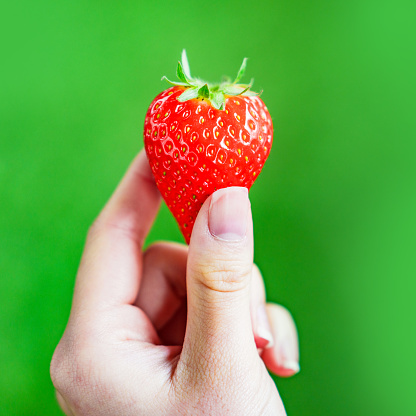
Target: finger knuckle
(153,251)
(72,367)
(63,366)
(222,275)
(116,228)
(58,368)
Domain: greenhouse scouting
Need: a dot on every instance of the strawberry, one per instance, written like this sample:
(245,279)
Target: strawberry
(201,137)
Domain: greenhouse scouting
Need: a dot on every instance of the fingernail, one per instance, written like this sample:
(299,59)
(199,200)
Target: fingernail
(264,337)
(227,218)
(291,365)
(289,355)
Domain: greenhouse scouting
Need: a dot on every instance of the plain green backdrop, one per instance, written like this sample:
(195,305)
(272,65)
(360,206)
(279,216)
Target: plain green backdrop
(333,208)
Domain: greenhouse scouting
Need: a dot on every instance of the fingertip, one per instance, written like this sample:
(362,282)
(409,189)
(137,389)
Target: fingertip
(135,202)
(286,369)
(263,334)
(141,165)
(283,357)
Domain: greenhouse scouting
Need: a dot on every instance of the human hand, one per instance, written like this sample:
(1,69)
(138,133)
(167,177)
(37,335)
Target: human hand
(171,331)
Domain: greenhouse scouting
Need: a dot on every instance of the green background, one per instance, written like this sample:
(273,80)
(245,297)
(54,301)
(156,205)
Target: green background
(334,208)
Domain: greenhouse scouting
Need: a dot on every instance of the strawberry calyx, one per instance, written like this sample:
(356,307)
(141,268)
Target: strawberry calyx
(215,93)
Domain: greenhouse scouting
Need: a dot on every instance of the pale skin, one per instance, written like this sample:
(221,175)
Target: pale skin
(173,330)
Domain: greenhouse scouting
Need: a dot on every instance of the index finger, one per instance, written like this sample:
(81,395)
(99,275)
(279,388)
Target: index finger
(110,269)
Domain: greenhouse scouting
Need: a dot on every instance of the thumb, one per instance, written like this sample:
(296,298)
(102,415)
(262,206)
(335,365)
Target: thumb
(220,263)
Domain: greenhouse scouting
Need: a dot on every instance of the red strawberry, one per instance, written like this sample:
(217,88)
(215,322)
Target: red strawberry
(201,137)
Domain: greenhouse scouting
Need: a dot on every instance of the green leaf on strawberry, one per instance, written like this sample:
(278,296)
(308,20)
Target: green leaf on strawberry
(214,92)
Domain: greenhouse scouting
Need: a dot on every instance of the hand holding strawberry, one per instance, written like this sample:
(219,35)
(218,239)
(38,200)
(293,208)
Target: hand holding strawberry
(201,137)
(172,330)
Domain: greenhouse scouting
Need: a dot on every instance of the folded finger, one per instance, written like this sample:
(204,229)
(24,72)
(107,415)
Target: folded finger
(163,287)
(282,358)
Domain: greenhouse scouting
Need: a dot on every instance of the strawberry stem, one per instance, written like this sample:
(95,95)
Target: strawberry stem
(216,93)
